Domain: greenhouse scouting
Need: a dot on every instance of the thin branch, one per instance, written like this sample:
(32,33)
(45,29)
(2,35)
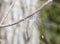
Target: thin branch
(6,14)
(52,25)
(41,7)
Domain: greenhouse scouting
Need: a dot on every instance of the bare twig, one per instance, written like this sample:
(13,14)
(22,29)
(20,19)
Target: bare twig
(41,7)
(52,25)
(6,14)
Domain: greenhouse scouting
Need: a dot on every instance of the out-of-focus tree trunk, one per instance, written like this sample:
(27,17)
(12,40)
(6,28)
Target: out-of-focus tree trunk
(25,32)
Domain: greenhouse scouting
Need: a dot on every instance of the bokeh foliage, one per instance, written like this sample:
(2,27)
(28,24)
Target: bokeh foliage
(50,14)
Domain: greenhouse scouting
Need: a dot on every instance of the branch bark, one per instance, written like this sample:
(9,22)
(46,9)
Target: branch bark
(41,7)
(6,14)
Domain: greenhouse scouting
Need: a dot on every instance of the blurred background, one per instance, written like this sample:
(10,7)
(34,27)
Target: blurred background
(50,27)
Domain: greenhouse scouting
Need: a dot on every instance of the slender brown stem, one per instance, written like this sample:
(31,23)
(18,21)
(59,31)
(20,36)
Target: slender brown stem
(41,7)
